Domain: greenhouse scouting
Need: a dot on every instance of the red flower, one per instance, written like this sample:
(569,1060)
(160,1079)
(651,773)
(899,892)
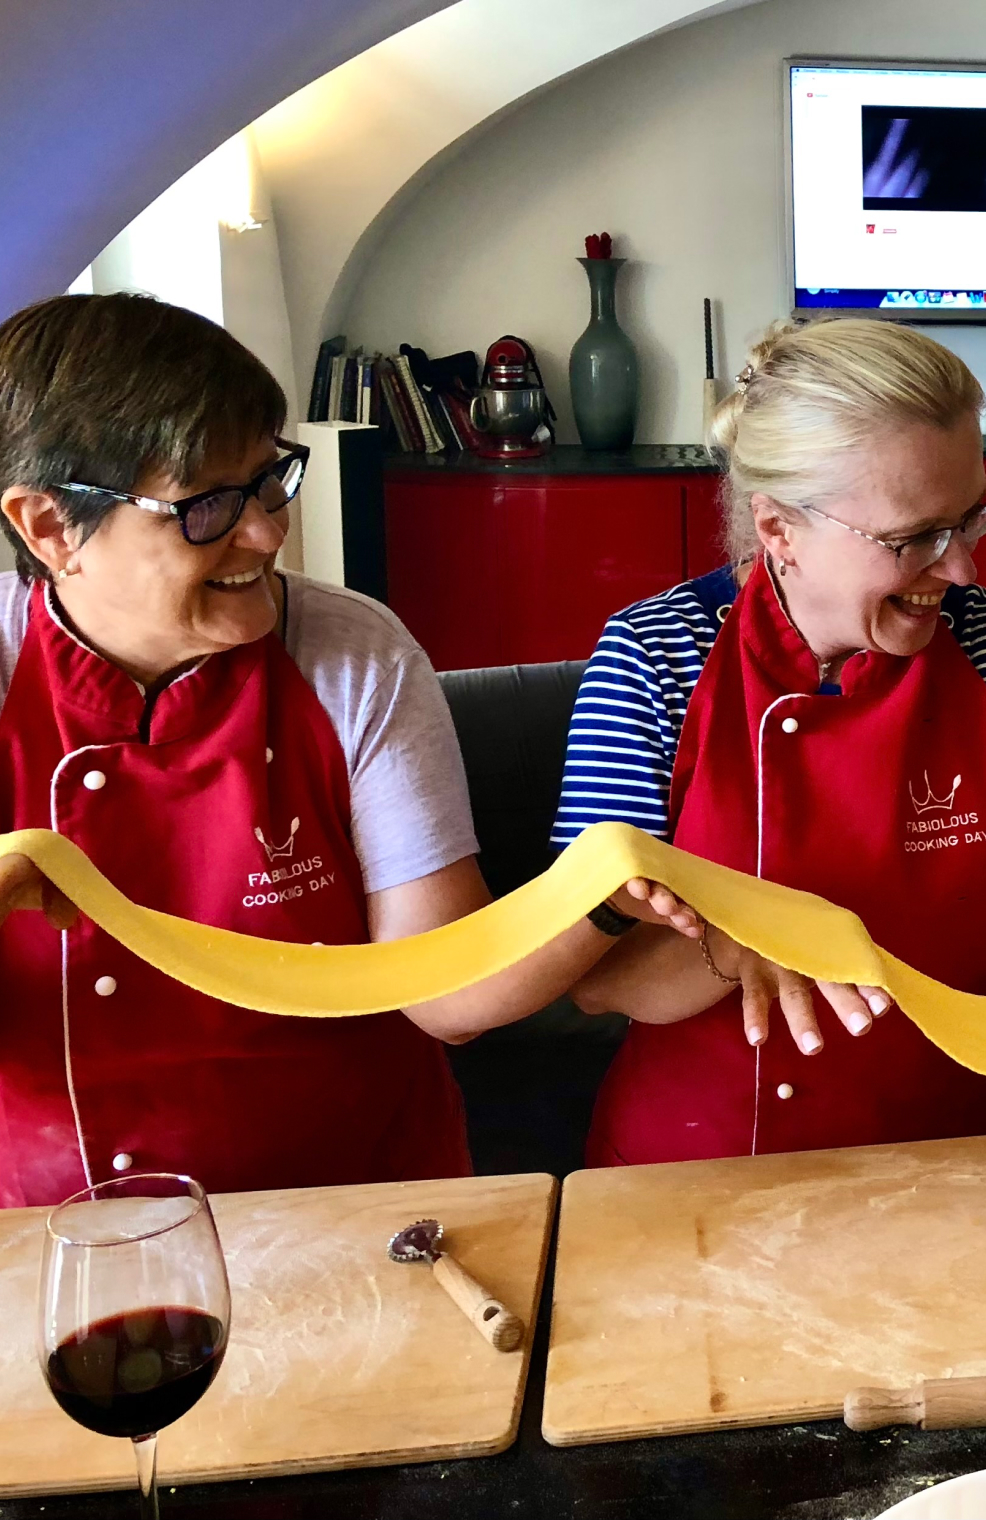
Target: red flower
(598,245)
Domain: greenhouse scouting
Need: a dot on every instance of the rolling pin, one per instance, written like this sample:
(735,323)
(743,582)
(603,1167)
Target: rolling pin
(934,1404)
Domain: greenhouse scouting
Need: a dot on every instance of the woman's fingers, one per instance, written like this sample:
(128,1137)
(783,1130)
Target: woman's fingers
(20,884)
(662,903)
(856,1007)
(876,1000)
(58,910)
(794,995)
(23,886)
(850,1005)
(757,998)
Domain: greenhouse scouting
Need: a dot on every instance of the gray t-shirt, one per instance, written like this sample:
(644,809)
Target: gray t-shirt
(410,805)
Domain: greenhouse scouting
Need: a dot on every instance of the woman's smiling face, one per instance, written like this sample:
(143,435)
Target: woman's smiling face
(150,601)
(846,593)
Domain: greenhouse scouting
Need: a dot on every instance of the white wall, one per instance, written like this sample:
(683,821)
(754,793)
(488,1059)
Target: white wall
(674,146)
(171,250)
(341,154)
(210,243)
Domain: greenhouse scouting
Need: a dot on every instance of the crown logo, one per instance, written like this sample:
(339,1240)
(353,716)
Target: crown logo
(283,851)
(931,801)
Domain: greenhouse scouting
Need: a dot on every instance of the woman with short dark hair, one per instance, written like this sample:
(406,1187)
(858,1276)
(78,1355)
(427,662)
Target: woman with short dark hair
(229,744)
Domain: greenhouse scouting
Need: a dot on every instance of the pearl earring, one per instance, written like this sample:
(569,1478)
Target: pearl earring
(783,568)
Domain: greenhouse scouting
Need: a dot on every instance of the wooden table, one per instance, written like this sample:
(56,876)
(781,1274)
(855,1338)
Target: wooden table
(806,1472)
(817,1471)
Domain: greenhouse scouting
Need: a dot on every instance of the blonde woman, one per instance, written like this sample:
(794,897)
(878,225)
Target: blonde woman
(816,715)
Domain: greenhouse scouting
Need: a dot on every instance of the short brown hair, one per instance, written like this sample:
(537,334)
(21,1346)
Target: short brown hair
(104,390)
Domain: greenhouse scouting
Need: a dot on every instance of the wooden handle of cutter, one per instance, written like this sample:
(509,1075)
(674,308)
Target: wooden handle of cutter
(710,401)
(936,1404)
(503,1330)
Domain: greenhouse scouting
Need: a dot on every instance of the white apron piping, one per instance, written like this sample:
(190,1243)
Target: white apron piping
(66,1038)
(788,697)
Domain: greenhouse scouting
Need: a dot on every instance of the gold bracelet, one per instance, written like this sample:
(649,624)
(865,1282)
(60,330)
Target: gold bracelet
(730,981)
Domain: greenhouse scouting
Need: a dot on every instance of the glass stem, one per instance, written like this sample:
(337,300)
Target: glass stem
(145,1450)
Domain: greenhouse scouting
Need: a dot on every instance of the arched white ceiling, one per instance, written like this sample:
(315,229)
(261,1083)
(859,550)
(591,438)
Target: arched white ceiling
(341,155)
(104,105)
(106,102)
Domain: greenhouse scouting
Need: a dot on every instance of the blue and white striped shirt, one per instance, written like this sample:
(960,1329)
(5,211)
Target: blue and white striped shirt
(631,704)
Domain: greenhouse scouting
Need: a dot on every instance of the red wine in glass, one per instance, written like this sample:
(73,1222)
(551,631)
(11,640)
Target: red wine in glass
(132,1374)
(134,1309)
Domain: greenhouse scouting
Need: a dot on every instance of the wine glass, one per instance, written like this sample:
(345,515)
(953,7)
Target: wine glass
(134,1309)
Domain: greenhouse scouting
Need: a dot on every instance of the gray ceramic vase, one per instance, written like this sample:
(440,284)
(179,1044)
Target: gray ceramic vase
(602,370)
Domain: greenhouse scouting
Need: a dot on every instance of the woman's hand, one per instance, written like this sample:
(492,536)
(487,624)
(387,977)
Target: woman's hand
(654,904)
(23,886)
(764,983)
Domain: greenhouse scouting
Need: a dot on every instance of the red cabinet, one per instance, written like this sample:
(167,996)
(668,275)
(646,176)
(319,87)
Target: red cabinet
(442,576)
(493,566)
(705,532)
(496,565)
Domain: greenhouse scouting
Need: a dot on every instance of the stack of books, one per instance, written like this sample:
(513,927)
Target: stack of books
(381,390)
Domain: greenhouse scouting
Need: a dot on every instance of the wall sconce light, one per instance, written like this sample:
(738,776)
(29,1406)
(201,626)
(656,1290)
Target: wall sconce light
(247,223)
(235,174)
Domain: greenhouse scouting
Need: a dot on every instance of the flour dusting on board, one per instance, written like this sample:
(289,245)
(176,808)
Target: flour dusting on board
(830,1279)
(329,1301)
(20,1375)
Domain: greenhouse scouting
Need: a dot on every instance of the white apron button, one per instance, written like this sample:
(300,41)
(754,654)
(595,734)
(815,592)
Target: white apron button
(318,944)
(790,725)
(785,1090)
(270,756)
(122,1161)
(106,985)
(93,780)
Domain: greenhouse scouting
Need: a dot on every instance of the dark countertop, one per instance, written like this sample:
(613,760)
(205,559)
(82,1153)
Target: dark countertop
(566,459)
(819,1471)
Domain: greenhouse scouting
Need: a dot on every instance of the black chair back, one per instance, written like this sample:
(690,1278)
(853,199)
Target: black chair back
(512,722)
(529,1110)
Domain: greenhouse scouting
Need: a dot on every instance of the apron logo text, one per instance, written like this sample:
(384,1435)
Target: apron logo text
(295,889)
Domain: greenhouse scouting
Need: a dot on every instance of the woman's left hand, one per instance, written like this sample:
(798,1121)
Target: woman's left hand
(652,903)
(22,885)
(763,983)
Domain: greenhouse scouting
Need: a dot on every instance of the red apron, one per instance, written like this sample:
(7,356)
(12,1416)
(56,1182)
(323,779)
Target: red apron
(228,805)
(876,800)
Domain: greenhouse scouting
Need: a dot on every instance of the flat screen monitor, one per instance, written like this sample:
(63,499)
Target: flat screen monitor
(886,170)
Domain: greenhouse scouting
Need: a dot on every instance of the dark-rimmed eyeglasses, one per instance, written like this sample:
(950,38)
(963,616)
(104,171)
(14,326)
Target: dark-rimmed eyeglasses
(921,550)
(210,515)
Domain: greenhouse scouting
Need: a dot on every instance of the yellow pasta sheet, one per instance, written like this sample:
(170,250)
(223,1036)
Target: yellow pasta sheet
(797,930)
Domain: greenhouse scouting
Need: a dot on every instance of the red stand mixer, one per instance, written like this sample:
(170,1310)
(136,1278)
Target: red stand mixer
(511,409)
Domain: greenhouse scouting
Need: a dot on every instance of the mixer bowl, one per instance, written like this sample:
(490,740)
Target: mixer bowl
(515,413)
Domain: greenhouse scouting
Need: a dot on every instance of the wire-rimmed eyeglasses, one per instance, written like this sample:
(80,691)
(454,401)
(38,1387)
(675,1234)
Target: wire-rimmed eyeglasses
(922,549)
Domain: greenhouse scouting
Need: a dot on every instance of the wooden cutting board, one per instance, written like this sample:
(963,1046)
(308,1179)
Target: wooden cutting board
(337,1357)
(759,1290)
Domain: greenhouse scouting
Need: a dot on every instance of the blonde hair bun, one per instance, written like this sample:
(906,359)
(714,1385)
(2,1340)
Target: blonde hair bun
(720,435)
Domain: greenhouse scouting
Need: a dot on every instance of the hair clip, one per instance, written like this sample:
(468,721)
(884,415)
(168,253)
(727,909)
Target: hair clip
(744,377)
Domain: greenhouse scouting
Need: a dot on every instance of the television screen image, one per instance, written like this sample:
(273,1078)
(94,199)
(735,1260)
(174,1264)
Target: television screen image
(887,189)
(924,158)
